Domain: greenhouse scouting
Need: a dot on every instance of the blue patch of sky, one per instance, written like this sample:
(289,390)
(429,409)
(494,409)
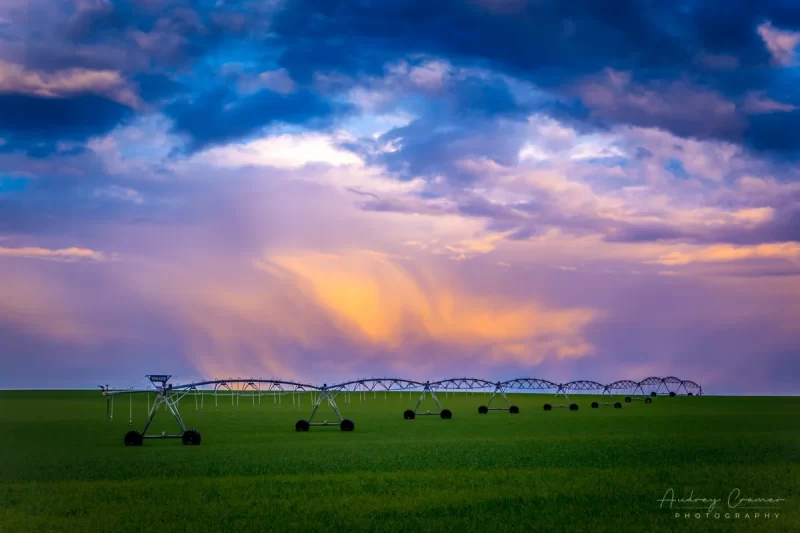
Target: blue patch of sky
(675,167)
(10,183)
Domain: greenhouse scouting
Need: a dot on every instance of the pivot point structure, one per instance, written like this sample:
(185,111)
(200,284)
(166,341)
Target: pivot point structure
(164,396)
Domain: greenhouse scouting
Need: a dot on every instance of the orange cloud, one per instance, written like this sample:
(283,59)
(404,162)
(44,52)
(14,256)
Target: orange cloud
(368,304)
(725,253)
(374,298)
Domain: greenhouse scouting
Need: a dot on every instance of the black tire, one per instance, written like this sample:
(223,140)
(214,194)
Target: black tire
(514,410)
(595,405)
(648,400)
(482,410)
(548,407)
(133,438)
(653,394)
(573,407)
(446,414)
(191,437)
(617,405)
(628,399)
(347,425)
(691,394)
(672,394)
(409,414)
(302,425)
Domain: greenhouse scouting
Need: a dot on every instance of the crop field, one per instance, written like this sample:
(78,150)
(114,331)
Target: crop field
(63,466)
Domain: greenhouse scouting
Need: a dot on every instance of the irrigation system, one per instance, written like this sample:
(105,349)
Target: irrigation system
(256,389)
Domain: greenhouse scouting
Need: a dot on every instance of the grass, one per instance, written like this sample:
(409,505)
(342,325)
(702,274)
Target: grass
(63,466)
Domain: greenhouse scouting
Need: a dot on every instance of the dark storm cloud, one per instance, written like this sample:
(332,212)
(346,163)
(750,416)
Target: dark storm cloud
(36,124)
(563,36)
(222,115)
(692,64)
(775,132)
(688,70)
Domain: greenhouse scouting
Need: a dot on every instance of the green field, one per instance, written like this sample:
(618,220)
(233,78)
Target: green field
(63,466)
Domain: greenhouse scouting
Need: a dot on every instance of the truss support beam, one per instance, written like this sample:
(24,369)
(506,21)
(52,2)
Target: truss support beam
(428,389)
(169,398)
(562,391)
(171,403)
(498,392)
(325,394)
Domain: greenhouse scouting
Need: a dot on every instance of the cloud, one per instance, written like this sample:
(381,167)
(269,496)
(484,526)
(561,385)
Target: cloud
(63,254)
(674,105)
(391,187)
(280,151)
(726,253)
(780,43)
(374,298)
(757,103)
(120,193)
(221,116)
(38,124)
(15,78)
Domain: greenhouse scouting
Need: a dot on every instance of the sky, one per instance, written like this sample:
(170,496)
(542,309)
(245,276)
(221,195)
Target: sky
(320,191)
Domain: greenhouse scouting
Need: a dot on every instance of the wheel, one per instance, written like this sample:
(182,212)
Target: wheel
(648,400)
(446,414)
(653,394)
(191,437)
(409,414)
(691,394)
(628,399)
(133,438)
(617,405)
(573,407)
(482,410)
(595,405)
(672,394)
(302,425)
(547,407)
(514,410)
(347,425)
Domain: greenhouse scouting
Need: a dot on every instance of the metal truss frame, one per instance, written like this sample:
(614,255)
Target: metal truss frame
(165,395)
(329,395)
(499,389)
(562,391)
(170,400)
(427,389)
(671,383)
(170,396)
(653,385)
(692,388)
(629,388)
(607,399)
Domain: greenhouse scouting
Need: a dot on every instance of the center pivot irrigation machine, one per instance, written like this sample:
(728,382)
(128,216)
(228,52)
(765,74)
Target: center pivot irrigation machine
(170,396)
